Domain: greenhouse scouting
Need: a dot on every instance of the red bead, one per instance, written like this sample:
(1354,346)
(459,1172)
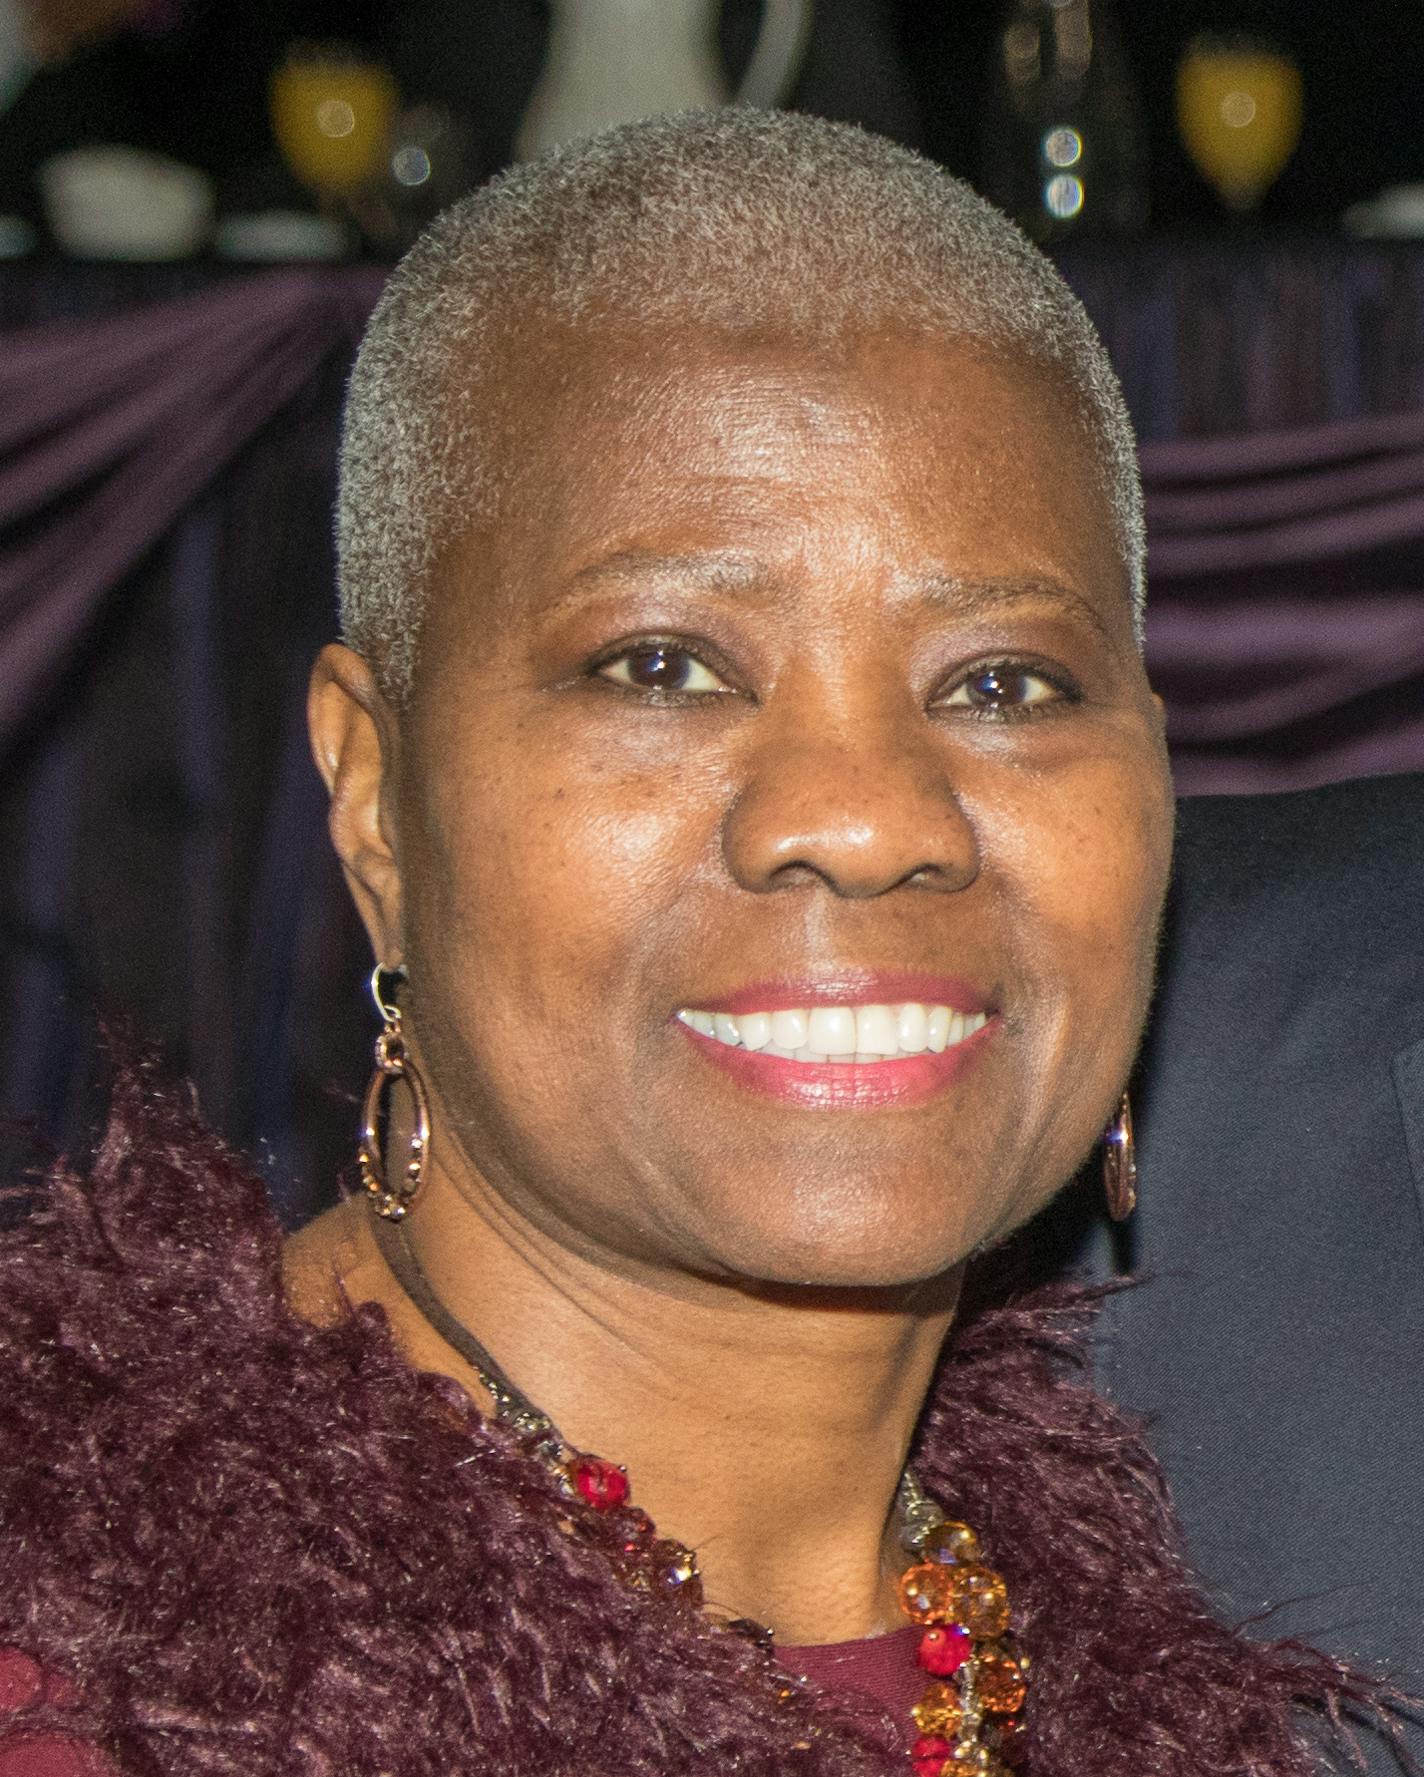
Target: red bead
(602,1484)
(928,1754)
(944,1651)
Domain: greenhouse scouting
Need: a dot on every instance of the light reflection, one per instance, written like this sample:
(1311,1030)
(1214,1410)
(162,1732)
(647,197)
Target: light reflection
(335,118)
(1238,109)
(1063,196)
(1062,147)
(410,165)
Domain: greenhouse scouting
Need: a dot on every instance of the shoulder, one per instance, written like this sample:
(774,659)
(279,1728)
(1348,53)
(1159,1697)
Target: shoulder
(1328,852)
(1281,1160)
(1293,951)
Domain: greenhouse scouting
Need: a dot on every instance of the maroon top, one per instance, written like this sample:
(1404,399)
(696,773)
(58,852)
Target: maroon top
(47,1755)
(883,1668)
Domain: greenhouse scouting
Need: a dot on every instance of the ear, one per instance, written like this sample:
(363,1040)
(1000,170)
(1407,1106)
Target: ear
(356,743)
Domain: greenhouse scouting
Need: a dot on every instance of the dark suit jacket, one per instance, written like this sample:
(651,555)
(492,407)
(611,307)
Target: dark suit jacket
(1279,1344)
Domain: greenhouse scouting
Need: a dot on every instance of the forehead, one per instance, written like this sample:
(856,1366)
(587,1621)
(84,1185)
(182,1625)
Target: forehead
(907,444)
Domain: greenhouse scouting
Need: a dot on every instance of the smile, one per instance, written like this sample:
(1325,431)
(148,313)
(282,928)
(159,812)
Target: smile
(839,1035)
(879,1055)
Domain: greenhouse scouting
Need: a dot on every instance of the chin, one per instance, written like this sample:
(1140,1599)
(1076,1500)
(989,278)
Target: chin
(853,1246)
(850,1238)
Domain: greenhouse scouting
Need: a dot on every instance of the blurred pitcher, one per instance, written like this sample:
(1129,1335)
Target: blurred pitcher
(611,61)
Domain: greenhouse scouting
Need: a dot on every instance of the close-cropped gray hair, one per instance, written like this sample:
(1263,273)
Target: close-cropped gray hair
(752,221)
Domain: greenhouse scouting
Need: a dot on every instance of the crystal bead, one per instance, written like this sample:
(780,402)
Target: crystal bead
(927,1593)
(972,1761)
(602,1484)
(676,1569)
(951,1543)
(999,1682)
(939,1711)
(979,1600)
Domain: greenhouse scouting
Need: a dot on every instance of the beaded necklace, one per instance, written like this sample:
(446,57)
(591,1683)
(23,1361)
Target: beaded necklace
(968,1720)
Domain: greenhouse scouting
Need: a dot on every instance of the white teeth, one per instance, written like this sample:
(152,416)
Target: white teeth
(832,1030)
(877,1031)
(839,1033)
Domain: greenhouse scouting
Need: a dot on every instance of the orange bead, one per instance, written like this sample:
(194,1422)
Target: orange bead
(980,1600)
(1000,1683)
(939,1711)
(927,1593)
(951,1543)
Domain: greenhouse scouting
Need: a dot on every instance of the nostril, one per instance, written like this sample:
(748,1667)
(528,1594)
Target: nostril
(859,823)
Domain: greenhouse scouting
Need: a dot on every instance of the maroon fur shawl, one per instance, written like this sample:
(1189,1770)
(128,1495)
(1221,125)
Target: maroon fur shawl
(258,1547)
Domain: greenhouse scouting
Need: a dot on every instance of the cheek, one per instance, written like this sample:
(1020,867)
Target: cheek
(549,880)
(1083,858)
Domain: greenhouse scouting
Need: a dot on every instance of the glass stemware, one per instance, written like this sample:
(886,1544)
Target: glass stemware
(1239,103)
(331,114)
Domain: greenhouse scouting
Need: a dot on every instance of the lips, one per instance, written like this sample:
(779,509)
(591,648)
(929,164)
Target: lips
(830,1044)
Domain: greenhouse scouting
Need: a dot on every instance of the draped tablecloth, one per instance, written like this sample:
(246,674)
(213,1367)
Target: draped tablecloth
(167,444)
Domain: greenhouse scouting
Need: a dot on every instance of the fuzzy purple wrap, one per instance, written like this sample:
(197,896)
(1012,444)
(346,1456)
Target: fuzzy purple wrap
(258,1547)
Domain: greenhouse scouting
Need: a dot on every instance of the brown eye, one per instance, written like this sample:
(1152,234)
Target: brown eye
(1002,687)
(659,666)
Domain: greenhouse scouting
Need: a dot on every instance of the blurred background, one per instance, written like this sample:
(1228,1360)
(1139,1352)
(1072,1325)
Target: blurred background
(198,202)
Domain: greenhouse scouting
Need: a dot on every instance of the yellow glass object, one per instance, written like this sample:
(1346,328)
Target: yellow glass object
(939,1711)
(981,1601)
(927,1592)
(331,115)
(1239,111)
(1000,1682)
(950,1542)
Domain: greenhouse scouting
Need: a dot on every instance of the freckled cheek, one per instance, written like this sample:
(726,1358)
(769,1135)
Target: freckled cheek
(1083,866)
(557,883)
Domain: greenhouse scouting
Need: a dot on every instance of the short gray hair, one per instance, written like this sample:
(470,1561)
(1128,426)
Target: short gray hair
(744,220)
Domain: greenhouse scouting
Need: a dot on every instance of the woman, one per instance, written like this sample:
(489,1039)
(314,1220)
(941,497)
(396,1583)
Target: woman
(742,760)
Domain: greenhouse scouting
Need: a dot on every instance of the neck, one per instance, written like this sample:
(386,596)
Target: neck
(765,1428)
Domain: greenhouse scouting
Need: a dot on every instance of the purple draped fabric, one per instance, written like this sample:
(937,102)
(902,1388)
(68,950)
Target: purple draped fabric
(1286,607)
(165,574)
(109,429)
(1287,566)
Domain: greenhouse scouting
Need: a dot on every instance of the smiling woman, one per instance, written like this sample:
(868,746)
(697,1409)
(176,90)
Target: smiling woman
(741,757)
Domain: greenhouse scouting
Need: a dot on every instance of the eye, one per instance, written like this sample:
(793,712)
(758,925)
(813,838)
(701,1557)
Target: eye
(662,666)
(1004,688)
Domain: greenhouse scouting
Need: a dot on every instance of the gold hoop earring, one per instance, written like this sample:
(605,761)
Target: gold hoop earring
(1120,1163)
(393,1062)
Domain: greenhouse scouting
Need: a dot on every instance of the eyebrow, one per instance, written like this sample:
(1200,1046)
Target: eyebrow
(743,573)
(972,594)
(714,569)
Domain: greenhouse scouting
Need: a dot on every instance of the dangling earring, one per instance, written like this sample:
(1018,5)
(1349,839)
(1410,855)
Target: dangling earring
(393,1063)
(1120,1164)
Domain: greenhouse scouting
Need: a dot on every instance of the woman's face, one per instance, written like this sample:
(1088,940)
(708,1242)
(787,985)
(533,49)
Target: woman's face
(785,688)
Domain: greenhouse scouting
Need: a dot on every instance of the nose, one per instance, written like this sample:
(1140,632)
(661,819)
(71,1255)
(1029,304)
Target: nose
(860,814)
